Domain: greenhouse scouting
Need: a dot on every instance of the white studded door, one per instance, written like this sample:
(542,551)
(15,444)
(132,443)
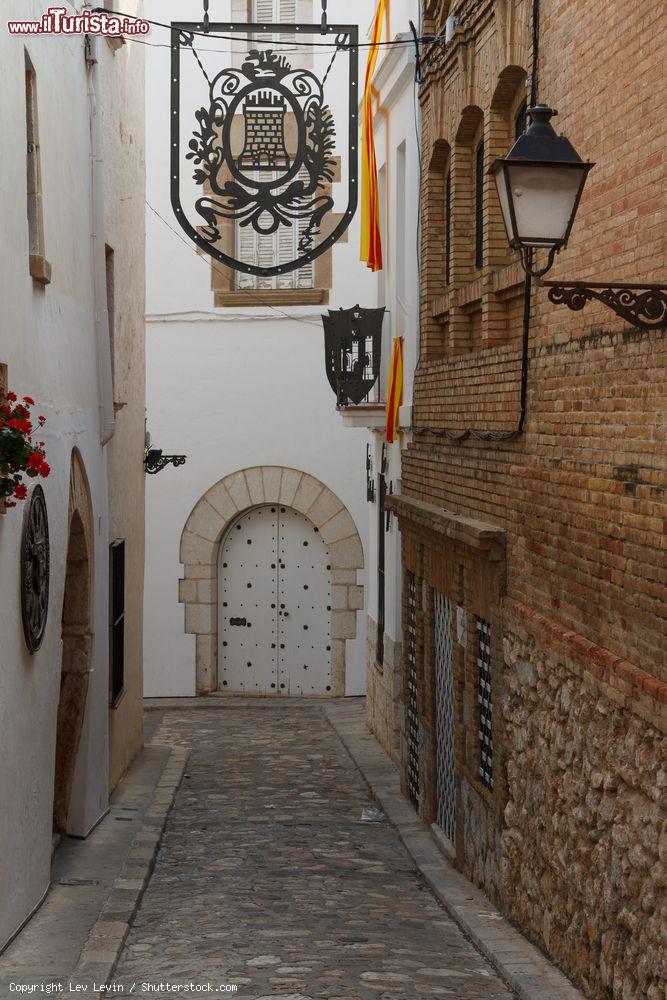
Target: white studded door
(274,619)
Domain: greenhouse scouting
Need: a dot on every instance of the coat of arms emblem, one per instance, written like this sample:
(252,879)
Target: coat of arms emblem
(263,148)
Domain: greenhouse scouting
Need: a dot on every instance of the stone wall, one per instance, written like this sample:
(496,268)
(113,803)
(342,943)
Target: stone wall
(384,704)
(584,840)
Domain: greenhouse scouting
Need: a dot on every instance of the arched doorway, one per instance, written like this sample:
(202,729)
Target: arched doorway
(77,643)
(209,523)
(274,612)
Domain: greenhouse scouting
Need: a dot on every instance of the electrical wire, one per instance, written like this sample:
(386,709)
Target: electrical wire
(218,270)
(257,39)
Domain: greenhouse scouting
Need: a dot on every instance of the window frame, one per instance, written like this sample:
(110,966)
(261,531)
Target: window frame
(479,205)
(116,621)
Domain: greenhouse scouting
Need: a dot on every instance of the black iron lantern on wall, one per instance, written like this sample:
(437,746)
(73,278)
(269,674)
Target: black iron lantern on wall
(540,183)
(352,345)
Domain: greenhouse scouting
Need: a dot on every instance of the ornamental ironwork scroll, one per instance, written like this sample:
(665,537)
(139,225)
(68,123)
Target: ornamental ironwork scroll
(352,347)
(35,569)
(155,461)
(262,149)
(641,305)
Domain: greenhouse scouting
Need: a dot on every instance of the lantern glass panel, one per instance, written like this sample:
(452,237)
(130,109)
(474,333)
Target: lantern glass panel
(544,198)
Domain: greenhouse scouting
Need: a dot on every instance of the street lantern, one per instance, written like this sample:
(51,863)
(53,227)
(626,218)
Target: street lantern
(539,183)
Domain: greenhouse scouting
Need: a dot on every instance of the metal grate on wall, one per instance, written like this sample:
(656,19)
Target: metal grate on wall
(485,702)
(412,722)
(444,700)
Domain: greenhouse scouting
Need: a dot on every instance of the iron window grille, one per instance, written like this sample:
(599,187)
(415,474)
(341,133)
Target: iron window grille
(117,621)
(448,227)
(479,206)
(412,720)
(485,703)
(444,700)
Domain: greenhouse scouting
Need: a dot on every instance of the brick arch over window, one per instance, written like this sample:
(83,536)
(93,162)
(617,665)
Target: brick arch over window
(207,525)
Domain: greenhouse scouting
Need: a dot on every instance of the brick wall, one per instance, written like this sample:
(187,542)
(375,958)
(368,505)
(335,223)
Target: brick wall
(573,585)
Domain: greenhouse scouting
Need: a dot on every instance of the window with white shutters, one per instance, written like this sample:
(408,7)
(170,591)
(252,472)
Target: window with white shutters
(280,247)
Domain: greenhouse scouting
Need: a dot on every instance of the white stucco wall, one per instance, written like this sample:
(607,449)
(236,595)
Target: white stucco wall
(395,131)
(48,341)
(231,388)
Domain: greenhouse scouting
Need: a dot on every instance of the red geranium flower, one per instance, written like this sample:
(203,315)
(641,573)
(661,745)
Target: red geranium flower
(12,397)
(44,469)
(35,460)
(42,420)
(29,400)
(9,503)
(20,491)
(23,426)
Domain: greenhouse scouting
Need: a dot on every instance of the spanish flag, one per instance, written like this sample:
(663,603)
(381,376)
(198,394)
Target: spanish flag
(371,243)
(395,389)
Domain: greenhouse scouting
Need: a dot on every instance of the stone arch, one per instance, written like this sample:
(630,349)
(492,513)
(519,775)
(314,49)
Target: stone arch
(208,523)
(76,640)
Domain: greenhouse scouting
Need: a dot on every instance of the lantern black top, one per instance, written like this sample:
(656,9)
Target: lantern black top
(540,183)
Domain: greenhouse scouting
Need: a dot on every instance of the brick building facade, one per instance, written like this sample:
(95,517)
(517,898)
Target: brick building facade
(534,684)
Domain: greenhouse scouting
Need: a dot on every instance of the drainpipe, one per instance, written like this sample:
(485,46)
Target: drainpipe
(97,248)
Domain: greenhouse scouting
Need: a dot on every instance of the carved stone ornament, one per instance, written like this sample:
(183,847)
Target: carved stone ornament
(35,569)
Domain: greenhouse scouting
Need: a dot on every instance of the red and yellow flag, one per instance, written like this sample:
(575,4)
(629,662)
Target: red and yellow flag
(395,389)
(371,243)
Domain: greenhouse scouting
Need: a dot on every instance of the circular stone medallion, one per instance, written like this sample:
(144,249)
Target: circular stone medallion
(35,569)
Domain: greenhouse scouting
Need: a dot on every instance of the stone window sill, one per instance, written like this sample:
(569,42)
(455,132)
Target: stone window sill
(40,269)
(273,297)
(505,282)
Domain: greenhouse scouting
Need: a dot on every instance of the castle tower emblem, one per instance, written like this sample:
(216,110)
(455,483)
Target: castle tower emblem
(264,147)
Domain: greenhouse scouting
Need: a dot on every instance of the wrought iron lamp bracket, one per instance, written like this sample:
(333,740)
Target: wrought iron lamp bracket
(155,461)
(642,305)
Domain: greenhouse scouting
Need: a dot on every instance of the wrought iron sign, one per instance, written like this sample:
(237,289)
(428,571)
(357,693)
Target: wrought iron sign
(35,569)
(155,461)
(352,345)
(263,144)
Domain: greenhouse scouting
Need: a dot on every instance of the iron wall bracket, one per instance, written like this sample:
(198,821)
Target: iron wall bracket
(155,461)
(641,305)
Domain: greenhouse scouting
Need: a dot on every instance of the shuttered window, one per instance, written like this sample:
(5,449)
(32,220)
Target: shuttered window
(479,206)
(268,251)
(116,620)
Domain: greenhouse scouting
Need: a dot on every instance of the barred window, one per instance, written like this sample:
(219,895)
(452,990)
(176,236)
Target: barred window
(484,702)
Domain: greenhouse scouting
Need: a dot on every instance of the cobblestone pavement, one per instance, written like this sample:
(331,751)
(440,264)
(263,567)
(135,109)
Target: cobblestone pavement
(268,878)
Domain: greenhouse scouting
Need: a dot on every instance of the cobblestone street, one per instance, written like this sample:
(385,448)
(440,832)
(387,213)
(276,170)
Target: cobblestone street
(268,878)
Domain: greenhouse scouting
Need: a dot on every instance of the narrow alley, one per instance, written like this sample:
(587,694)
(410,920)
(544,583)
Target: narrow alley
(263,849)
(269,879)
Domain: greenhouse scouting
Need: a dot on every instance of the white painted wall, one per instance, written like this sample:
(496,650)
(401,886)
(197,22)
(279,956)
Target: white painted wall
(48,340)
(397,286)
(230,388)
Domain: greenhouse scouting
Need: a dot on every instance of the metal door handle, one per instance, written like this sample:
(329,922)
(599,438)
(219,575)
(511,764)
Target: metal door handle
(237,621)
